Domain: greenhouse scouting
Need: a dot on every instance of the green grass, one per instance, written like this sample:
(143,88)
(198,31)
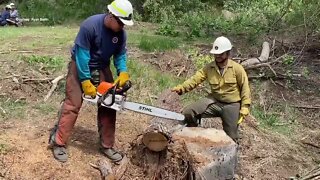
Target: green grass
(3,148)
(44,108)
(12,108)
(158,43)
(147,80)
(279,119)
(39,39)
(48,62)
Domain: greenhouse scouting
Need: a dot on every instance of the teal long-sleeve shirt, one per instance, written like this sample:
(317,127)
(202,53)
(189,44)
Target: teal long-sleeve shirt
(82,61)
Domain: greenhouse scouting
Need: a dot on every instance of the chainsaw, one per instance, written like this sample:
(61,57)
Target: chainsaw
(111,96)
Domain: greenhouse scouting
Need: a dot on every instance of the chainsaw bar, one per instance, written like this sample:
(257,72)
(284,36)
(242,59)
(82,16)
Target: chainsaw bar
(153,111)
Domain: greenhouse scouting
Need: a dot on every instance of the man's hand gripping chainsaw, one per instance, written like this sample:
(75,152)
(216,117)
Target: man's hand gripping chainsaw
(110,96)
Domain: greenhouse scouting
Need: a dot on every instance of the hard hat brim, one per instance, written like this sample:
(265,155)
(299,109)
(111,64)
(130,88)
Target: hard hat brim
(126,22)
(213,51)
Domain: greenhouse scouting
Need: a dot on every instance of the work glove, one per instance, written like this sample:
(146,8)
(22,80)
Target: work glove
(244,111)
(122,79)
(178,89)
(88,88)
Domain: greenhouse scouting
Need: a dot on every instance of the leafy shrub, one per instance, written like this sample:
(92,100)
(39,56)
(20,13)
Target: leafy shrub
(167,29)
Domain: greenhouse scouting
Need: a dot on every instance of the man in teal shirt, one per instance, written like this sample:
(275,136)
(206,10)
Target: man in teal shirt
(100,37)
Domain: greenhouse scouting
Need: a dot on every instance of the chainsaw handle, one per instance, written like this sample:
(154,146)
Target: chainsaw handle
(125,87)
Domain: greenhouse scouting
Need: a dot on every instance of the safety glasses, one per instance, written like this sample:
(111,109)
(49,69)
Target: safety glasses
(118,20)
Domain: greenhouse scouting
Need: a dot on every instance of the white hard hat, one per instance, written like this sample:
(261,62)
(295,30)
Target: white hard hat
(123,10)
(11,4)
(221,45)
(8,6)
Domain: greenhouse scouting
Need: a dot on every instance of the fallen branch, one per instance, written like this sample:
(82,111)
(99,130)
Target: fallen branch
(181,70)
(122,168)
(262,65)
(105,169)
(313,174)
(306,107)
(3,111)
(8,77)
(264,56)
(311,144)
(54,86)
(36,80)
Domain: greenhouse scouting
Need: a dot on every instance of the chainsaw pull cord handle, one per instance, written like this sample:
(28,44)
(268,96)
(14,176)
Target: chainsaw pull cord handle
(111,91)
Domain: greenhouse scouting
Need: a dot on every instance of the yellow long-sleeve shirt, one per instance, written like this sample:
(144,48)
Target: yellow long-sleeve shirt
(232,86)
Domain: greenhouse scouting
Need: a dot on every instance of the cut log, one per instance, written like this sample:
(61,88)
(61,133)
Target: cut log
(158,134)
(262,59)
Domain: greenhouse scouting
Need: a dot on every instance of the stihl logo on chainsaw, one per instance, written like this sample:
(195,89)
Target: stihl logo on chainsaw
(145,109)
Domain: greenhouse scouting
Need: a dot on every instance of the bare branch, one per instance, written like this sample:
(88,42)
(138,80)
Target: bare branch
(54,86)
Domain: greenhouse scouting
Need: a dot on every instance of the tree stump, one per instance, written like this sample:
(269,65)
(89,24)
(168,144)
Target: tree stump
(213,153)
(169,150)
(157,135)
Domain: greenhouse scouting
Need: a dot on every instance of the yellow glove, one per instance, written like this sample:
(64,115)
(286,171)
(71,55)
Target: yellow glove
(122,79)
(178,89)
(244,111)
(88,88)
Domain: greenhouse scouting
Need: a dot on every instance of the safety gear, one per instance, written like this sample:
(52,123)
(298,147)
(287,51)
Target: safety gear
(11,4)
(8,6)
(221,45)
(123,10)
(240,119)
(88,88)
(122,79)
(60,153)
(178,89)
(112,154)
(244,111)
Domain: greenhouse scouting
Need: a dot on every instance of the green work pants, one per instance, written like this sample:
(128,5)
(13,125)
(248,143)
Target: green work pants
(209,107)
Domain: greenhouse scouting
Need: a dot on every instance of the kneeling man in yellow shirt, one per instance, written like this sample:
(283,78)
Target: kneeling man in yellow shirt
(230,91)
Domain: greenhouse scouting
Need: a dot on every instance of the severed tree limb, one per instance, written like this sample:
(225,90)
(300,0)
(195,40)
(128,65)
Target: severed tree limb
(181,70)
(306,107)
(36,80)
(105,169)
(311,144)
(263,57)
(54,86)
(262,65)
(313,174)
(122,168)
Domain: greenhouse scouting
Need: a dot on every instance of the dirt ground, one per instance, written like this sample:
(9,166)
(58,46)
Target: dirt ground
(263,154)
